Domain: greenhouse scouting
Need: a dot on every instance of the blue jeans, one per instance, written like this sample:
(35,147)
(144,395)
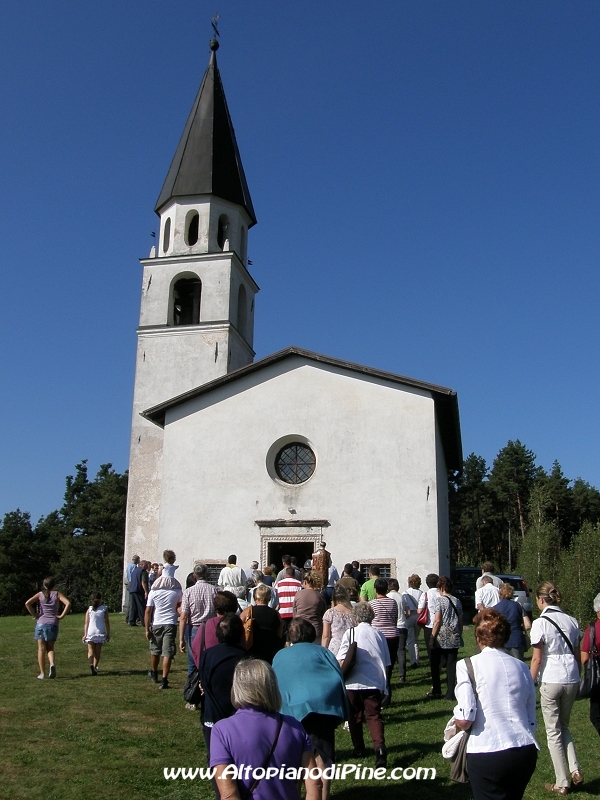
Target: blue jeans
(190,633)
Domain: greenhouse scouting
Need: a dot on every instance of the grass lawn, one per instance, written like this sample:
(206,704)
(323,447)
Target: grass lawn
(85,738)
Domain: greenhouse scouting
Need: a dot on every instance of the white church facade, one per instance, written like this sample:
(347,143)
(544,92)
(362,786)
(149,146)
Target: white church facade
(264,458)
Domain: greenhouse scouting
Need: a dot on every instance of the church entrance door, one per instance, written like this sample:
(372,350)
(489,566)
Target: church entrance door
(302,551)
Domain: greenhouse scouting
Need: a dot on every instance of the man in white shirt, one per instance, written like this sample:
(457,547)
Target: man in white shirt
(488,596)
(161,620)
(233,579)
(487,571)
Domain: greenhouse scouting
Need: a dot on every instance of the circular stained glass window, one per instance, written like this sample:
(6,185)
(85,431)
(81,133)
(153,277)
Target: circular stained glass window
(295,463)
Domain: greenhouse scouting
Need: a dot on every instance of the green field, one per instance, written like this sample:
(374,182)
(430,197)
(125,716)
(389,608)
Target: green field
(85,738)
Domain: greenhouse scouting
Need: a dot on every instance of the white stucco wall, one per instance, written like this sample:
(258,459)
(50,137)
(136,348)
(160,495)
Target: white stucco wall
(376,479)
(171,360)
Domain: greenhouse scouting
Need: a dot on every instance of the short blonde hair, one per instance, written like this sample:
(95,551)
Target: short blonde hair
(255,684)
(506,591)
(262,594)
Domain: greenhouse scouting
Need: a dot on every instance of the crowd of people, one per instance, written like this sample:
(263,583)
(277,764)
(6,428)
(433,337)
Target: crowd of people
(252,639)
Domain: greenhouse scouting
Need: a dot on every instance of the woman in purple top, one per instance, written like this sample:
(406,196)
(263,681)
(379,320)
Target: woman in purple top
(258,751)
(44,607)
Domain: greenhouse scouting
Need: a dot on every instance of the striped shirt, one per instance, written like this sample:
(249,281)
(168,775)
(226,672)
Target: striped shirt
(386,616)
(287,589)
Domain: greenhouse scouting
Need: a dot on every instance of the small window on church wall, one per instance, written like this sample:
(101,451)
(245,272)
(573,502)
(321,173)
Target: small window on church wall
(186,301)
(242,310)
(193,222)
(295,463)
(166,235)
(223,231)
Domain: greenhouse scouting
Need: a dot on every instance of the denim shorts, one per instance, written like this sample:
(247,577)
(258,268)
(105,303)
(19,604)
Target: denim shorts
(49,633)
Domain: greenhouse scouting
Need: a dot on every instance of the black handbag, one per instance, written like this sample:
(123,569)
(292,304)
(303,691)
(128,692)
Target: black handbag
(590,674)
(191,688)
(458,769)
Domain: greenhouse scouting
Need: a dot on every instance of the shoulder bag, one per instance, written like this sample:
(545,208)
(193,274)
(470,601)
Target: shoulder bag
(250,790)
(590,672)
(458,770)
(562,633)
(191,688)
(248,630)
(423,613)
(350,657)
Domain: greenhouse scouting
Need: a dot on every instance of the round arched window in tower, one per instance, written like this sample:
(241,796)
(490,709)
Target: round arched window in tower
(295,463)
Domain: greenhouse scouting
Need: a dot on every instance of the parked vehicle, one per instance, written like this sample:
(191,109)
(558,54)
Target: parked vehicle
(463,581)
(521,592)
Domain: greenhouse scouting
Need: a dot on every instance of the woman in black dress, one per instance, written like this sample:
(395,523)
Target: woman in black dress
(267,627)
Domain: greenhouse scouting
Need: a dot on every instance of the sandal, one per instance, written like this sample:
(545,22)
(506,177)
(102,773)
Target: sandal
(552,787)
(577,778)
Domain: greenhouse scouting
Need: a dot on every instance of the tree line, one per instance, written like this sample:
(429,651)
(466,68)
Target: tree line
(80,545)
(539,524)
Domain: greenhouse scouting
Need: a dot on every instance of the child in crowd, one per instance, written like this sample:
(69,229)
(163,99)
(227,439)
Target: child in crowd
(169,566)
(96,630)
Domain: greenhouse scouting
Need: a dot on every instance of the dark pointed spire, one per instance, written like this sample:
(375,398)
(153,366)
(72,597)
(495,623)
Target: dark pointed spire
(207,159)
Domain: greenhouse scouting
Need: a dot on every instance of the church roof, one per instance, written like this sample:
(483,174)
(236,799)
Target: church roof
(207,159)
(446,400)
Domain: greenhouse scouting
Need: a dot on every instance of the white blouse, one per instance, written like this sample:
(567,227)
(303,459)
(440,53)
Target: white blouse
(558,663)
(504,714)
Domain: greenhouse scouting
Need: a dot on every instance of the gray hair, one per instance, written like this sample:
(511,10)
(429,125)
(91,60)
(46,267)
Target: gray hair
(255,684)
(363,613)
(201,571)
(257,575)
(597,604)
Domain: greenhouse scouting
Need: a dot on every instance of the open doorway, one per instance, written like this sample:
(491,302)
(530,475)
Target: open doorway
(301,550)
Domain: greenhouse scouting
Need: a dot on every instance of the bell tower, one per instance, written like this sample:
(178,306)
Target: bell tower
(197,306)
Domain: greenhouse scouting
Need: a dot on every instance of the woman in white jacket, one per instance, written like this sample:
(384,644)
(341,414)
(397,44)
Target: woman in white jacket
(501,750)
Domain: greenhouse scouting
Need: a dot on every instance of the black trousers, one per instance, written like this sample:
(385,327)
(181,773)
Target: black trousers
(136,607)
(438,657)
(402,651)
(595,708)
(503,775)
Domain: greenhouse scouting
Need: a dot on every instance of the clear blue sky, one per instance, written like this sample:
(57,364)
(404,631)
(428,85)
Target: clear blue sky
(426,177)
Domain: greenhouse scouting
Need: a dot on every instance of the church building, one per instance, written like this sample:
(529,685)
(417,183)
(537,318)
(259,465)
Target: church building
(270,457)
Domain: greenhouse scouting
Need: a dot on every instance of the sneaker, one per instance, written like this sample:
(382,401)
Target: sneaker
(52,673)
(164,684)
(41,676)
(190,707)
(380,757)
(153,676)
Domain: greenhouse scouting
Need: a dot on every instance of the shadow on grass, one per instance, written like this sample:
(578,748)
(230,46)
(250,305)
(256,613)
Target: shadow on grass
(103,674)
